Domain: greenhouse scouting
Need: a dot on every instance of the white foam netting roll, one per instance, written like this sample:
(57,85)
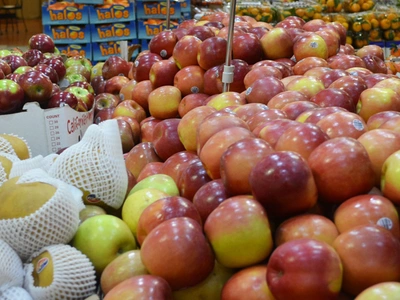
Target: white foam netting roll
(73,275)
(22,166)
(11,268)
(5,146)
(54,223)
(15,293)
(13,158)
(95,165)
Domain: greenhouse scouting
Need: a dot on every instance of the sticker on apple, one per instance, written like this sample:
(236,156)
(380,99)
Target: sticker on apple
(358,125)
(91,198)
(385,223)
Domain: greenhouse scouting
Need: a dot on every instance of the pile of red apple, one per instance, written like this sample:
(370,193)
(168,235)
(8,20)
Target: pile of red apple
(284,187)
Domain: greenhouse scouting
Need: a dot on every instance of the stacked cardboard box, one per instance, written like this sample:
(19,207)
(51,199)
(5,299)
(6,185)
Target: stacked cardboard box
(68,24)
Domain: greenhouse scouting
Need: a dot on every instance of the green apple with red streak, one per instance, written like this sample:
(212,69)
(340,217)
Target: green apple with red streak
(239,242)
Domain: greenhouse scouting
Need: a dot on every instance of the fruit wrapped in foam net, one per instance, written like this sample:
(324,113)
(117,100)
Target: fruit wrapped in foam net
(15,293)
(38,210)
(11,268)
(6,162)
(95,165)
(71,274)
(15,145)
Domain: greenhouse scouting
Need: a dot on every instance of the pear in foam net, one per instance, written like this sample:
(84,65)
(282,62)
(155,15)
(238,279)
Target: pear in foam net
(96,166)
(11,268)
(37,210)
(15,145)
(59,272)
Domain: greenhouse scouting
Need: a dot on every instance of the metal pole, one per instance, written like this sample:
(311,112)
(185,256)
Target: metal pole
(168,14)
(227,75)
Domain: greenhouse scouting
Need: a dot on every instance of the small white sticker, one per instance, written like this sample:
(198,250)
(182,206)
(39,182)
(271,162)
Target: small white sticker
(122,97)
(358,125)
(136,63)
(385,222)
(194,89)
(313,44)
(248,91)
(163,53)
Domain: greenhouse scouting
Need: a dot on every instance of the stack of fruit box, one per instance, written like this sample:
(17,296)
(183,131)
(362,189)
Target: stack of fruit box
(67,23)
(152,17)
(109,25)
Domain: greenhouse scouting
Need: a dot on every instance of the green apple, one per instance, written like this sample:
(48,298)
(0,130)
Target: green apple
(126,265)
(210,288)
(136,203)
(383,290)
(4,52)
(162,182)
(96,70)
(390,178)
(91,211)
(102,238)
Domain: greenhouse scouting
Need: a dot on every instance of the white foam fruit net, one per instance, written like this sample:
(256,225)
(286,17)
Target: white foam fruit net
(73,275)
(3,175)
(54,223)
(95,165)
(15,293)
(11,268)
(5,145)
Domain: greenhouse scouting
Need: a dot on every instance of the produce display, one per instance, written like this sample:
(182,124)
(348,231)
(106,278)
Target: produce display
(286,186)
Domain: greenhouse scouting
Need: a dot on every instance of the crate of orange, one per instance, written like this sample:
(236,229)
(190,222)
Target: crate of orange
(147,29)
(355,6)
(331,6)
(122,11)
(113,31)
(64,12)
(262,12)
(307,10)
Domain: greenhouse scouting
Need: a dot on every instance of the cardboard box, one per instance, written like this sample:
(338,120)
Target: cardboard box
(47,130)
(103,50)
(392,49)
(114,13)
(89,1)
(80,49)
(145,44)
(157,9)
(186,6)
(113,32)
(149,28)
(58,14)
(68,34)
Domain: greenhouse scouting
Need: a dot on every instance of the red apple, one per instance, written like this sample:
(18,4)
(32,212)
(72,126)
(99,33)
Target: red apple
(260,72)
(114,84)
(316,114)
(272,130)
(142,64)
(277,43)
(164,101)
(294,109)
(189,80)
(314,266)
(162,210)
(150,169)
(174,165)
(5,67)
(342,169)
(343,124)
(130,108)
(248,47)
(162,73)
(310,45)
(178,251)
(139,156)
(163,43)
(302,139)
(41,42)
(237,162)
(32,57)
(185,51)
(353,85)
(367,210)
(308,225)
(115,66)
(265,116)
(201,32)
(61,99)
(190,102)
(192,178)
(307,85)
(380,144)
(11,96)
(283,183)
(165,138)
(330,76)
(281,99)
(346,61)
(212,52)
(141,92)
(104,114)
(141,286)
(307,63)
(104,100)
(334,97)
(370,254)
(147,128)
(263,89)
(37,86)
